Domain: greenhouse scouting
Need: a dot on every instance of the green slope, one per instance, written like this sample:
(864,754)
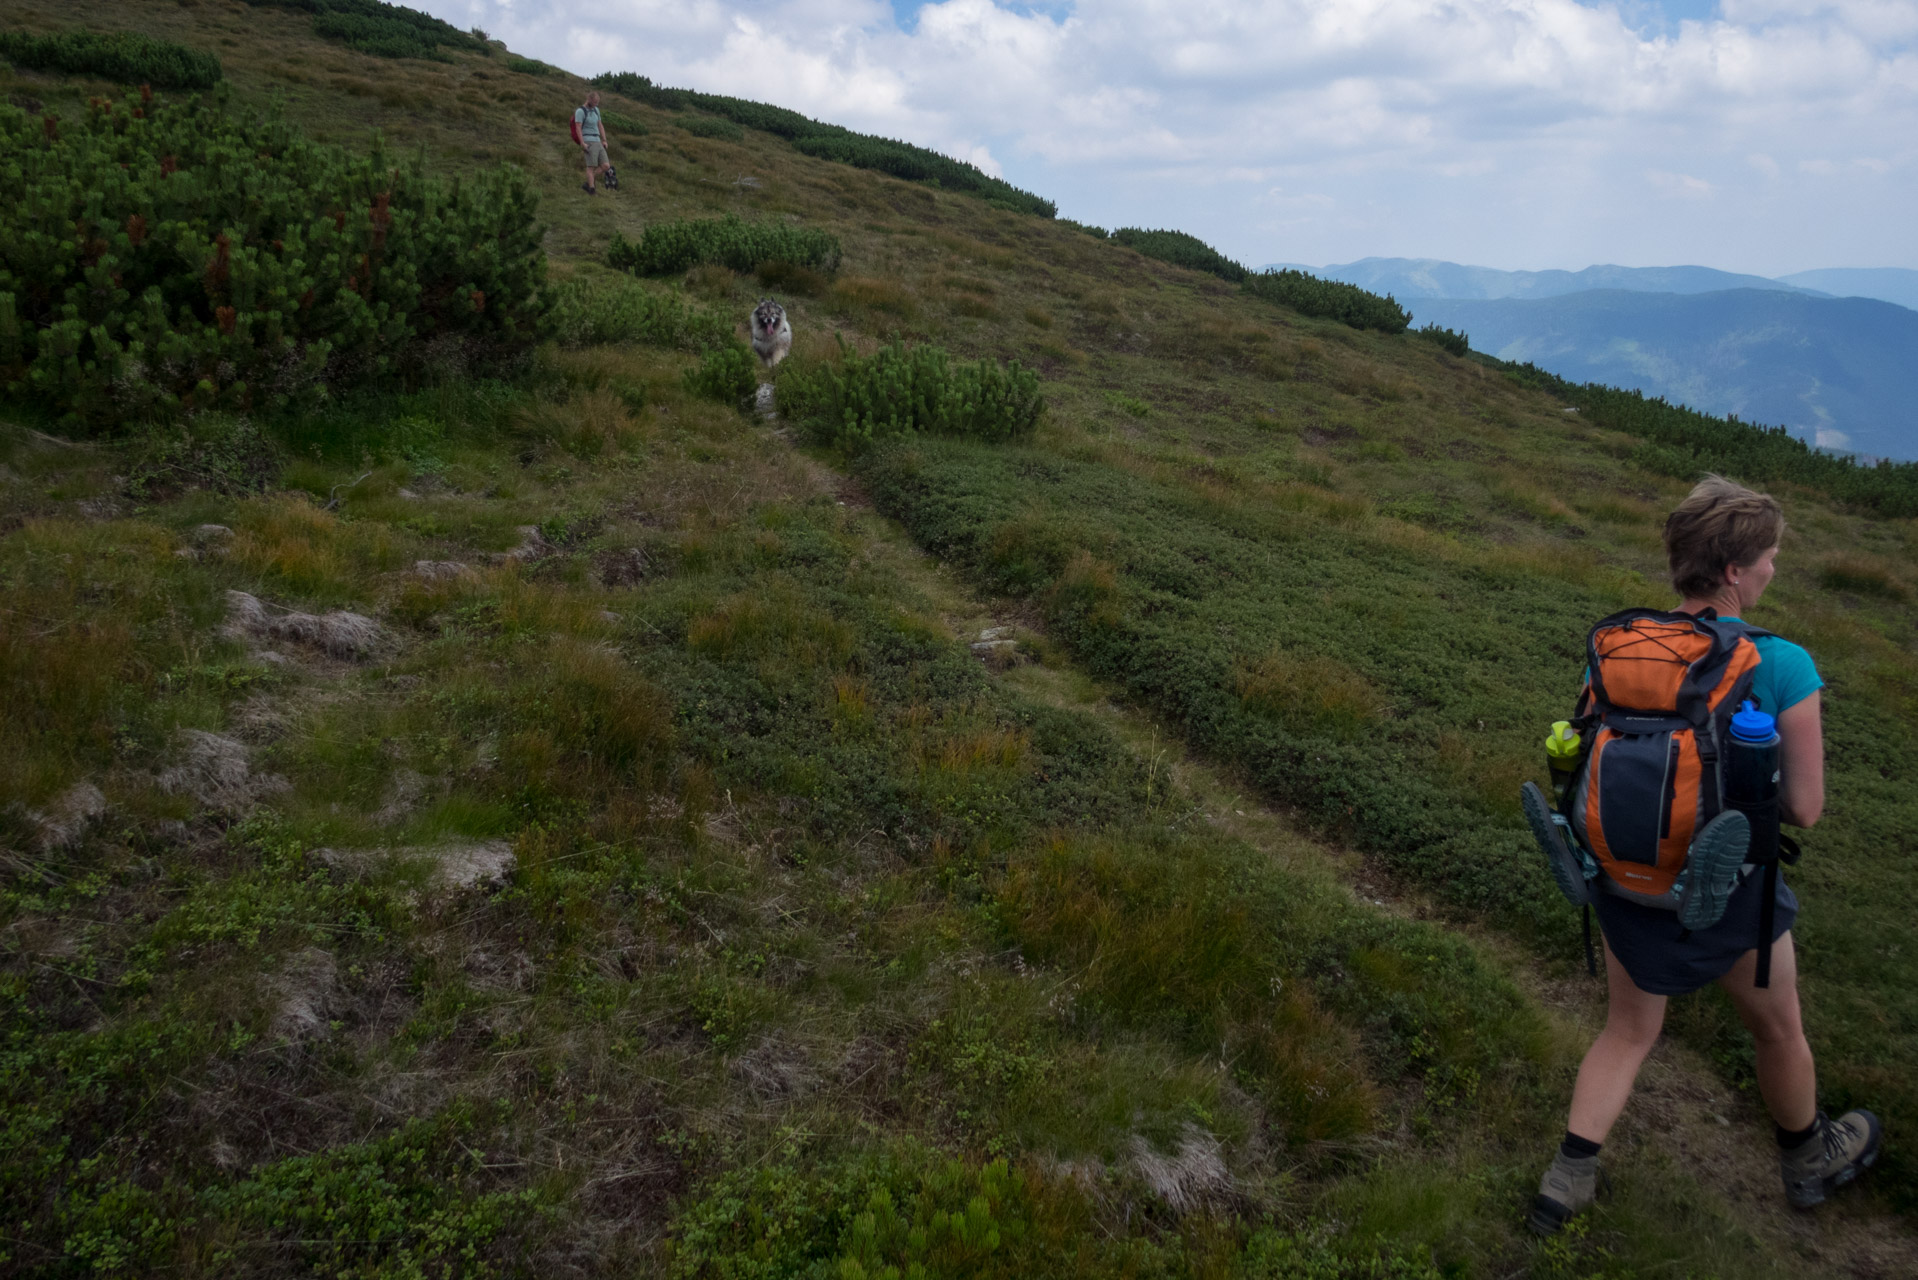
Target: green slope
(673,891)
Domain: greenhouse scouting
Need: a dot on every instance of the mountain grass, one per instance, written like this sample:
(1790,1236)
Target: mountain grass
(665,886)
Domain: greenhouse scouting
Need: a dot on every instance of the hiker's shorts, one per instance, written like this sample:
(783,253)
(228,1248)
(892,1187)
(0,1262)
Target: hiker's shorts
(1665,961)
(595,155)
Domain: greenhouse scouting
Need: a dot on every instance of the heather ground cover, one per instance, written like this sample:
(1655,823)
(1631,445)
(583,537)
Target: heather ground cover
(589,842)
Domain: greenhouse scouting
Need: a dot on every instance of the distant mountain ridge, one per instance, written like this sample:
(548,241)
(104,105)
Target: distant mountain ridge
(1842,373)
(1434,278)
(1831,354)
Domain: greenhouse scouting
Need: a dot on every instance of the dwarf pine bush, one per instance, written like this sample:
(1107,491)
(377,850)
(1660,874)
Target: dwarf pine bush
(126,56)
(897,391)
(1181,250)
(384,30)
(591,310)
(830,141)
(1452,340)
(726,374)
(729,241)
(158,256)
(1329,300)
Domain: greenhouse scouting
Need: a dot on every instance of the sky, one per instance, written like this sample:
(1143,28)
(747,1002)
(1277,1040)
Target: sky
(1764,136)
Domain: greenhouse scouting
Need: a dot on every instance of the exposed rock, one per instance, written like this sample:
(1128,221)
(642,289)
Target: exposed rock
(532,546)
(1194,1177)
(440,570)
(215,771)
(465,865)
(63,822)
(763,402)
(340,633)
(212,533)
(305,988)
(456,864)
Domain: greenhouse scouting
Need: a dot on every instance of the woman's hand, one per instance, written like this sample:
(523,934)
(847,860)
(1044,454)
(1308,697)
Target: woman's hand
(1801,762)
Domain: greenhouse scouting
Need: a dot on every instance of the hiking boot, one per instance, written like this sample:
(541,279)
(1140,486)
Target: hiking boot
(1568,1188)
(1567,870)
(587,187)
(1836,1153)
(1712,867)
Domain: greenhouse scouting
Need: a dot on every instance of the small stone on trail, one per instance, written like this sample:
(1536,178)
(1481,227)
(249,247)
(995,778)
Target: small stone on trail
(995,633)
(763,402)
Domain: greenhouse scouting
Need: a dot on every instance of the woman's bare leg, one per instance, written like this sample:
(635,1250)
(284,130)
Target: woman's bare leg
(1633,1019)
(1787,1077)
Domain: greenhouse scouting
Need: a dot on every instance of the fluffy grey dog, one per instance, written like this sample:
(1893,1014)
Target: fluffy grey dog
(772,335)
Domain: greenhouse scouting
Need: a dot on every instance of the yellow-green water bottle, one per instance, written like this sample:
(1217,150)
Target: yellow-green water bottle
(1561,754)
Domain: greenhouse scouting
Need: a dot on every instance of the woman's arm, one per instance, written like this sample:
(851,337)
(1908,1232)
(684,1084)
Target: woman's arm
(1801,762)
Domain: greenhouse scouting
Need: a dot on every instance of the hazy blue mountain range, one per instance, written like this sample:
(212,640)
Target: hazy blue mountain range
(1842,372)
(1832,354)
(1432,278)
(1892,284)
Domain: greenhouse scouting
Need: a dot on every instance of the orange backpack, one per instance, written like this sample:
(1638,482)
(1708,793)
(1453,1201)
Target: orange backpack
(1654,719)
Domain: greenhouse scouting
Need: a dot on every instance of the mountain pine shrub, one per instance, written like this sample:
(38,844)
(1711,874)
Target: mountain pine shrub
(727,374)
(1452,340)
(1329,300)
(159,256)
(384,30)
(126,56)
(831,142)
(1181,250)
(597,309)
(667,247)
(896,392)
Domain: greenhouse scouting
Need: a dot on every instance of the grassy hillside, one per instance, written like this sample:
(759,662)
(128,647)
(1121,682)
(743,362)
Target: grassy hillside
(538,819)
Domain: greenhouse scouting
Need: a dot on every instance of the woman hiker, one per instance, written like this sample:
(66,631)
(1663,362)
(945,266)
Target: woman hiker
(1721,543)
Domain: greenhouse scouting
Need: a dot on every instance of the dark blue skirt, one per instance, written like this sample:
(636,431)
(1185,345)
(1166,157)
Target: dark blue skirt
(1663,960)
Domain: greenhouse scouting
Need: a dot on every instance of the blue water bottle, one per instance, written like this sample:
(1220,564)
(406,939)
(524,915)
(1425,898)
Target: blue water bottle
(1751,787)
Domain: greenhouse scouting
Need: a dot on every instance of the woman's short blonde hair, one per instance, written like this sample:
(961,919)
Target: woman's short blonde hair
(1719,524)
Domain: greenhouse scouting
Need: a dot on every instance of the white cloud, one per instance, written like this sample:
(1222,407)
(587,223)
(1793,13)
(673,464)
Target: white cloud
(1518,132)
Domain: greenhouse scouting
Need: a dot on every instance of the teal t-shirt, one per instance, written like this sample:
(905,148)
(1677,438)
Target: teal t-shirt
(1786,675)
(588,120)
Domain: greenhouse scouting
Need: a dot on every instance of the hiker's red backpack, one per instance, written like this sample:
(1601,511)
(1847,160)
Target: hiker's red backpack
(1654,719)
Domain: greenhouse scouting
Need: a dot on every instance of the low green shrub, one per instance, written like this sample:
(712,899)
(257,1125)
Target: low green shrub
(1452,340)
(126,56)
(624,125)
(830,141)
(592,309)
(528,66)
(897,391)
(159,256)
(729,241)
(1181,250)
(384,30)
(1329,300)
(728,374)
(711,127)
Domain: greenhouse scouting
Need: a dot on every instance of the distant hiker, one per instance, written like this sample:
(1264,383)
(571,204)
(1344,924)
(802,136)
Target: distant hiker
(1653,839)
(589,131)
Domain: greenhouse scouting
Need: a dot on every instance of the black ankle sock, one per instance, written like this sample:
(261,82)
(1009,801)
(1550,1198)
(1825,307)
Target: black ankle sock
(1789,1138)
(1577,1148)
